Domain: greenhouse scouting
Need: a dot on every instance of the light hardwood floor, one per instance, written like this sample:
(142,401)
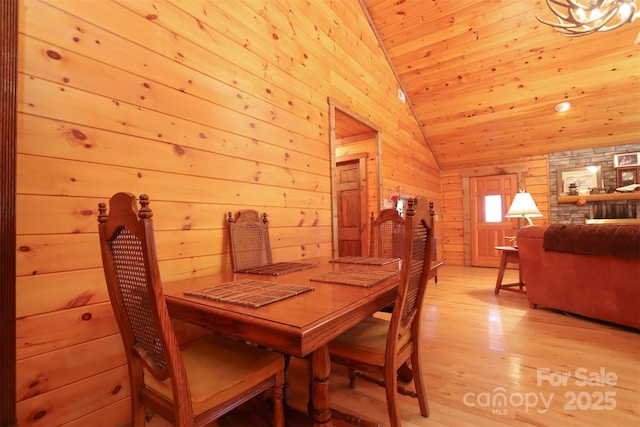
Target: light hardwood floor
(552,368)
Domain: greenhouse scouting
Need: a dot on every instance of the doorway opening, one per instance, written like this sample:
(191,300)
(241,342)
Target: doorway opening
(356,178)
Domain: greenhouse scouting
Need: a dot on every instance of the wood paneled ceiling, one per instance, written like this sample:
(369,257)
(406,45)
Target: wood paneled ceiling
(483,78)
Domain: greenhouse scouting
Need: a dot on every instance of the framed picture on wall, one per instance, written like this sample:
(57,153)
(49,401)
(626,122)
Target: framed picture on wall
(626,160)
(627,176)
(584,178)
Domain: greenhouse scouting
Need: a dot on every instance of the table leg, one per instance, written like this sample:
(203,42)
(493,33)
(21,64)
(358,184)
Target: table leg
(520,280)
(320,371)
(319,407)
(506,258)
(503,266)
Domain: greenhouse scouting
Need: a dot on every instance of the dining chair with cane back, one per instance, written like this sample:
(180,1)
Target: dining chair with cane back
(387,234)
(249,240)
(190,385)
(387,237)
(250,246)
(387,241)
(376,348)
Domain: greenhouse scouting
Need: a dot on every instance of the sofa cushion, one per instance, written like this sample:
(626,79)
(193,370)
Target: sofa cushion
(619,240)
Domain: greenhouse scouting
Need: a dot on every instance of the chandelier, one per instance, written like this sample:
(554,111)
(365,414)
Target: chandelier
(582,17)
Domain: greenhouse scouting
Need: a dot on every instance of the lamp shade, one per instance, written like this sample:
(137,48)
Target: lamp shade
(523,206)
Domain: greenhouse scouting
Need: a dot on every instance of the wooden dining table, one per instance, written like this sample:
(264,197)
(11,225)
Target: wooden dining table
(300,325)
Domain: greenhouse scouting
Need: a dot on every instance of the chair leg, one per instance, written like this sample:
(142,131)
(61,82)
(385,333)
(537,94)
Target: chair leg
(139,416)
(287,360)
(278,401)
(310,401)
(353,376)
(418,380)
(391,390)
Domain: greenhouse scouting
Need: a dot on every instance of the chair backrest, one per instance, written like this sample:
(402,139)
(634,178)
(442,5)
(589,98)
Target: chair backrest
(416,262)
(387,235)
(131,271)
(249,240)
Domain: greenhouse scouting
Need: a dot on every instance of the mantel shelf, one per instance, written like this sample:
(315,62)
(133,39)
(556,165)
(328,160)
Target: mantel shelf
(610,197)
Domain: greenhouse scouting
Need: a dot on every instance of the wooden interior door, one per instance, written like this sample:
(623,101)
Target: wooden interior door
(351,194)
(487,232)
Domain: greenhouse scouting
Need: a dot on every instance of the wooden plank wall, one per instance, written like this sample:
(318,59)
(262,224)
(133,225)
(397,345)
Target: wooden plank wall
(536,182)
(207,107)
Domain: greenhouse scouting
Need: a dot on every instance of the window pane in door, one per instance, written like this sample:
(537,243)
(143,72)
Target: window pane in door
(493,208)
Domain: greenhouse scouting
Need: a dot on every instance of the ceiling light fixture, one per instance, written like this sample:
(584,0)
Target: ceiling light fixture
(563,106)
(584,17)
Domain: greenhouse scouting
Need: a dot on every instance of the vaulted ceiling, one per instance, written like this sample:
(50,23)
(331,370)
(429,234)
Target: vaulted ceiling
(483,78)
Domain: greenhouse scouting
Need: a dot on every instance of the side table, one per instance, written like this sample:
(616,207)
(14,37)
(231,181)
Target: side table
(511,255)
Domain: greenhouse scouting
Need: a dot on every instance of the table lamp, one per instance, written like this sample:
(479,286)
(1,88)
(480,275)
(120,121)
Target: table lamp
(523,206)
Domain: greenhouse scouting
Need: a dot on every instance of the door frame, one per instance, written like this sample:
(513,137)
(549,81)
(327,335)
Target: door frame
(8,113)
(521,172)
(333,105)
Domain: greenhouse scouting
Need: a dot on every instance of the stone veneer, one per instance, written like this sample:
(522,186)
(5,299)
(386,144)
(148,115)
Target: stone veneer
(571,213)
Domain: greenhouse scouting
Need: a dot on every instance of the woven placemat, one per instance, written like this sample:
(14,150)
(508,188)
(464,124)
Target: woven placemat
(249,293)
(356,276)
(278,268)
(365,260)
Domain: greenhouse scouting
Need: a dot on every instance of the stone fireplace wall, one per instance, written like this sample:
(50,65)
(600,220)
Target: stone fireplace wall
(567,213)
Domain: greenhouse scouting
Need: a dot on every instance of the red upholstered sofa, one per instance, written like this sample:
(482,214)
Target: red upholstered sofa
(589,270)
